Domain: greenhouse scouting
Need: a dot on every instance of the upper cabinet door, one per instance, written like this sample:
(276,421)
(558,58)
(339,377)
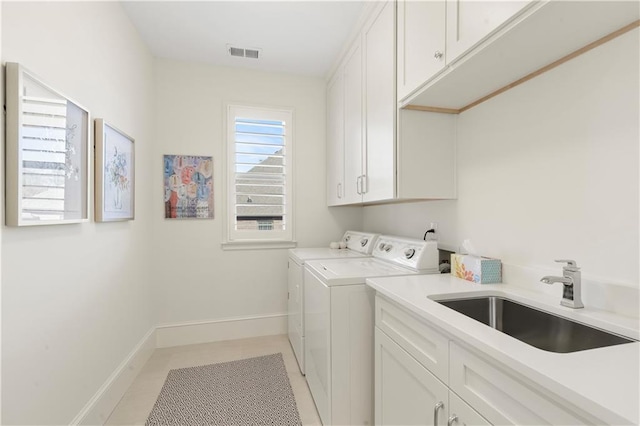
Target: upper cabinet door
(469,22)
(335,140)
(353,123)
(421,43)
(378,182)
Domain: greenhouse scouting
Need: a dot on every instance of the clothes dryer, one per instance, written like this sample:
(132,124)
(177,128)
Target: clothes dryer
(358,245)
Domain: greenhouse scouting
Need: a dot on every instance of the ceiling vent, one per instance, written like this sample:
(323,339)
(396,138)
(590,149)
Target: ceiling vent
(244,52)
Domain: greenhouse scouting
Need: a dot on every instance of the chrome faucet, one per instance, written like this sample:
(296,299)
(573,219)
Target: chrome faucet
(572,284)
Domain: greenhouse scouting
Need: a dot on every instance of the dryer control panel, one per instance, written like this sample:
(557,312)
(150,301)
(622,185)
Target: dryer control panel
(416,254)
(362,242)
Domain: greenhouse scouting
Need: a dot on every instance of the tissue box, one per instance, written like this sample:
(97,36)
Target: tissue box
(481,270)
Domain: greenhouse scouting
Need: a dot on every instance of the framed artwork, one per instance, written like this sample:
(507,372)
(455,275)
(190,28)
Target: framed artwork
(188,187)
(47,153)
(115,174)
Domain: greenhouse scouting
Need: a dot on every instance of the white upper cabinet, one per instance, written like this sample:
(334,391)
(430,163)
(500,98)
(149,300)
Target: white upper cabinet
(345,130)
(421,43)
(378,180)
(469,22)
(353,123)
(335,140)
(361,106)
(382,162)
(490,45)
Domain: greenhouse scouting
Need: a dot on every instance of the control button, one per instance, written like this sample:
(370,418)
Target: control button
(364,241)
(408,253)
(388,248)
(347,238)
(381,246)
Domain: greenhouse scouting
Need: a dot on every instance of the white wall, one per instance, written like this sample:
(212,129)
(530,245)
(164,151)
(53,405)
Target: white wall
(549,170)
(413,219)
(76,298)
(195,279)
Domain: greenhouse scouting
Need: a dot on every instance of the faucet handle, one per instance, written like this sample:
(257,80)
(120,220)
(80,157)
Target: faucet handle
(571,264)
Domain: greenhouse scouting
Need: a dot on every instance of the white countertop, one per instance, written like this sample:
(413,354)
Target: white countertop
(603,381)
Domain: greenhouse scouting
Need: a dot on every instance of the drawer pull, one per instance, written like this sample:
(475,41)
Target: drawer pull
(452,419)
(437,407)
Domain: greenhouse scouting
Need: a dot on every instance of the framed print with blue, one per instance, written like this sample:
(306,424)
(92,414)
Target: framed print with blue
(115,174)
(188,187)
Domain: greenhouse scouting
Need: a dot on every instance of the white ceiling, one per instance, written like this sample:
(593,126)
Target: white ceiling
(298,37)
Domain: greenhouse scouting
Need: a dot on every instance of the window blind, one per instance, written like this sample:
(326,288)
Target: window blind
(260,174)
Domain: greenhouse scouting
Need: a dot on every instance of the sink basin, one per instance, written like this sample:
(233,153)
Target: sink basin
(541,329)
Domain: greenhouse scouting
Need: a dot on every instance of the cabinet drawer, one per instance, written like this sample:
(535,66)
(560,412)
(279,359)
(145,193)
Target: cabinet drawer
(503,398)
(424,343)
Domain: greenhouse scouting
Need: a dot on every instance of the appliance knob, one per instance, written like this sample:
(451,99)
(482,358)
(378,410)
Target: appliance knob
(381,246)
(408,253)
(364,241)
(388,248)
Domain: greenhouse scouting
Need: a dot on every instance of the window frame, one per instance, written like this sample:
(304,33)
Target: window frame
(241,239)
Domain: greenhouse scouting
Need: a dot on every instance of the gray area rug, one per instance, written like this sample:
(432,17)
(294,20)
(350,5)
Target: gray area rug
(254,391)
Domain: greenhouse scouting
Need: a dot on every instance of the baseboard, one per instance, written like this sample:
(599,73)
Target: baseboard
(100,406)
(222,329)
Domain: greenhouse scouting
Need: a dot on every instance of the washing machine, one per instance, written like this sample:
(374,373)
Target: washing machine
(357,245)
(339,323)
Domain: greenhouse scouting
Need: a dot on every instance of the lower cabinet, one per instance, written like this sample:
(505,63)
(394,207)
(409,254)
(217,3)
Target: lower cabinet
(407,393)
(425,377)
(461,413)
(503,399)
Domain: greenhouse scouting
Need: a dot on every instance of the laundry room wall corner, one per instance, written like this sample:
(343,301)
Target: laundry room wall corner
(205,293)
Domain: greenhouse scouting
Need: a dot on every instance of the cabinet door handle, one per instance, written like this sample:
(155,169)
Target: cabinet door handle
(452,419)
(437,407)
(438,55)
(339,188)
(358,185)
(365,184)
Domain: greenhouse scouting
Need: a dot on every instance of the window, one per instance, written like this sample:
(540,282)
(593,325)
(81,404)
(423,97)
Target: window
(265,225)
(259,173)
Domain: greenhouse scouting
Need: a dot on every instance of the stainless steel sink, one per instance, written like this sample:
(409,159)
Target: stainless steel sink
(541,329)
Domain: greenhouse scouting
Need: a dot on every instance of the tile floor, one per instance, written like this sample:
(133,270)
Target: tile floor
(136,404)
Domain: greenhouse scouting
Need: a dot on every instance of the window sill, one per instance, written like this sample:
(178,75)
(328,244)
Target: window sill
(258,245)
